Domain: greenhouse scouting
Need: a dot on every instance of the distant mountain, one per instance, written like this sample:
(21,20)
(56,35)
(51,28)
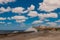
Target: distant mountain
(10,31)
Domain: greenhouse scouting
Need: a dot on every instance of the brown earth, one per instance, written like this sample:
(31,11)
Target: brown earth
(42,35)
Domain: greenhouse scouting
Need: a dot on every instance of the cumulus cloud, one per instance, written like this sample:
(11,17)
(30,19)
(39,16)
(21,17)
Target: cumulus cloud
(1,18)
(19,21)
(41,15)
(18,10)
(57,20)
(37,21)
(2,22)
(32,7)
(49,5)
(33,14)
(49,15)
(52,24)
(46,20)
(8,18)
(14,10)
(9,23)
(2,9)
(19,18)
(31,29)
(41,23)
(6,1)
(22,10)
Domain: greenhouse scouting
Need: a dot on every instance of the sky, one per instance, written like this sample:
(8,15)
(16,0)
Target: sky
(22,14)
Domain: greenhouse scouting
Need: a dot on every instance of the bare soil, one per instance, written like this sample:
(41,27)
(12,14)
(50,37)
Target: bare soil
(42,35)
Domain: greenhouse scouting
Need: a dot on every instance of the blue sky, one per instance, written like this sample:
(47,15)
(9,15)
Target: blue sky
(22,14)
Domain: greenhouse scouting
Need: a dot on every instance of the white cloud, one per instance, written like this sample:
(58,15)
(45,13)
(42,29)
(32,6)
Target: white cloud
(46,20)
(49,5)
(48,24)
(32,7)
(2,22)
(14,10)
(19,21)
(18,10)
(31,29)
(19,18)
(49,15)
(22,10)
(9,18)
(52,24)
(53,15)
(57,20)
(1,18)
(41,15)
(6,1)
(32,14)
(2,9)
(37,21)
(9,23)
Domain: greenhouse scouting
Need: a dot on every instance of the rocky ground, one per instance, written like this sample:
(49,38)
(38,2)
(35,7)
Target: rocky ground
(42,35)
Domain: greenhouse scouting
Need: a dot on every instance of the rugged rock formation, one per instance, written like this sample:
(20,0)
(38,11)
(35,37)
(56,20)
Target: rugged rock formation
(46,28)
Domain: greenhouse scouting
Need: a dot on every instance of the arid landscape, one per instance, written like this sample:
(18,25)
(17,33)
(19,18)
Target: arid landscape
(42,35)
(34,33)
(29,19)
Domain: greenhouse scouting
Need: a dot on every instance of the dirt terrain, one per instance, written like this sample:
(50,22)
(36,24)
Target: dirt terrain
(52,35)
